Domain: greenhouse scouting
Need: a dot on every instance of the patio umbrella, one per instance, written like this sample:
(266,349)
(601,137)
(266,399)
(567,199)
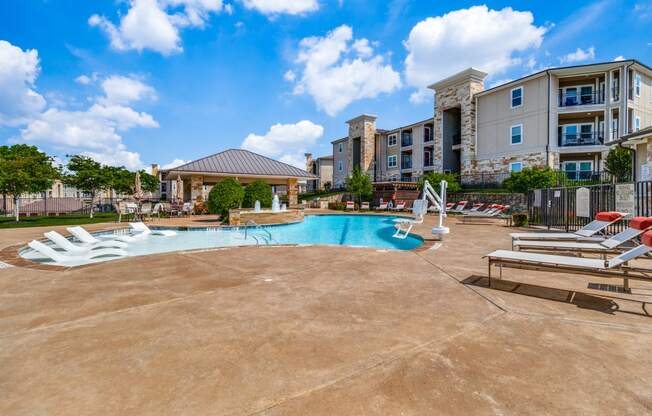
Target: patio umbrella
(138,188)
(179,188)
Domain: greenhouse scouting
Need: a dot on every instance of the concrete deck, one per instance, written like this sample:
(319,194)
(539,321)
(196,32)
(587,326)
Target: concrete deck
(320,331)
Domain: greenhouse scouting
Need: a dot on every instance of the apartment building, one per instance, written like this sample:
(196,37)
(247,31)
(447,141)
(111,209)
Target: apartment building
(322,168)
(564,118)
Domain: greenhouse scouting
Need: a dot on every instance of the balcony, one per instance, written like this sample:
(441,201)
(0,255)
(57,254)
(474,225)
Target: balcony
(572,98)
(406,163)
(406,140)
(615,93)
(427,135)
(581,139)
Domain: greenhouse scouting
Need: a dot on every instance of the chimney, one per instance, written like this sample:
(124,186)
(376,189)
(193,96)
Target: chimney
(308,161)
(155,169)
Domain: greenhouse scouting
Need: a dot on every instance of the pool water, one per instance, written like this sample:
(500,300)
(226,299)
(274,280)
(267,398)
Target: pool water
(373,231)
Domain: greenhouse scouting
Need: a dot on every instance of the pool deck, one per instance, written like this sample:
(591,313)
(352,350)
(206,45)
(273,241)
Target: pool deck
(320,331)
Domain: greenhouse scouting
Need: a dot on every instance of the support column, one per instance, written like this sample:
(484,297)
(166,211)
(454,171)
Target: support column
(292,192)
(196,187)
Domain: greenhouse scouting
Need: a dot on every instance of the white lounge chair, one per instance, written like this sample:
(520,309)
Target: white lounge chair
(476,207)
(381,207)
(141,229)
(459,207)
(404,225)
(637,226)
(68,246)
(69,260)
(400,206)
(586,233)
(85,237)
(364,206)
(350,205)
(616,267)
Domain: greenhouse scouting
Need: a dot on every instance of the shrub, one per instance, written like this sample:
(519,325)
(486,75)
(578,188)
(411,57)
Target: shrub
(530,178)
(359,185)
(225,195)
(257,191)
(519,219)
(339,206)
(436,177)
(619,163)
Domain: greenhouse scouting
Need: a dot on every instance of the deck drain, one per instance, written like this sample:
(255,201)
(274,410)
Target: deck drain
(609,288)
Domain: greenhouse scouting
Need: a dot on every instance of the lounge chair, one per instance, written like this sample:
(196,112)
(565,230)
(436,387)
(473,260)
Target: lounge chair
(586,233)
(489,211)
(350,205)
(85,237)
(141,229)
(637,226)
(70,260)
(400,206)
(485,217)
(68,246)
(616,267)
(459,207)
(381,207)
(476,207)
(404,225)
(364,206)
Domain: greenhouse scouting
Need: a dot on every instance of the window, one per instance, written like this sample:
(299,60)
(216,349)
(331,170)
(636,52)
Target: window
(637,123)
(340,166)
(515,167)
(516,134)
(578,170)
(340,149)
(391,140)
(517,97)
(392,161)
(637,85)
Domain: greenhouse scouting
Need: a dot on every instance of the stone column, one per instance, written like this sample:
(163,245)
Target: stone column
(196,187)
(292,192)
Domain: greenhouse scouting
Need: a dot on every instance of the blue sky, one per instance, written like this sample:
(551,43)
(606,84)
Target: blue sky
(135,82)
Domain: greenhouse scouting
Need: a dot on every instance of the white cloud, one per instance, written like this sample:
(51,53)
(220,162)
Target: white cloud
(490,40)
(290,76)
(228,9)
(18,72)
(275,7)
(499,82)
(83,79)
(285,142)
(579,55)
(148,24)
(619,58)
(337,70)
(174,164)
(124,90)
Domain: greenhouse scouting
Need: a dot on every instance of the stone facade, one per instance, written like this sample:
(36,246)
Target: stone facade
(364,128)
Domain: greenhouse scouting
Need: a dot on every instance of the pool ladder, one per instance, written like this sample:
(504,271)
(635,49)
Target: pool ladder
(266,238)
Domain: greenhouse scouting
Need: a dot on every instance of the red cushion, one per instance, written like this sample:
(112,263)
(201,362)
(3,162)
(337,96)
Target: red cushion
(641,223)
(646,238)
(608,216)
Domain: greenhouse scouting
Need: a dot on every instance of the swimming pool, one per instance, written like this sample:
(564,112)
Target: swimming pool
(374,231)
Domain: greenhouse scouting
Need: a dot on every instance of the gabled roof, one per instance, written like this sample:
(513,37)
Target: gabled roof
(241,162)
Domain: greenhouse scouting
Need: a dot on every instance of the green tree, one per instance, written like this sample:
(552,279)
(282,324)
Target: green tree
(89,176)
(119,179)
(435,179)
(359,184)
(148,182)
(257,191)
(530,178)
(225,195)
(25,169)
(619,163)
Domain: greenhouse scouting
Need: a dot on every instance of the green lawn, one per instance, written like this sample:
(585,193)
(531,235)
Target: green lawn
(43,221)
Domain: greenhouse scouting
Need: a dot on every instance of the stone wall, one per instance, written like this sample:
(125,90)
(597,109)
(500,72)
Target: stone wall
(240,216)
(363,127)
(501,164)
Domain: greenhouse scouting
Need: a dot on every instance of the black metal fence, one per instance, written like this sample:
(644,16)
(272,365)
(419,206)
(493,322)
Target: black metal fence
(557,207)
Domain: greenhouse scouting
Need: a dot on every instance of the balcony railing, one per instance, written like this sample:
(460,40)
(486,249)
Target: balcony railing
(427,136)
(615,93)
(574,99)
(406,164)
(406,140)
(581,139)
(428,164)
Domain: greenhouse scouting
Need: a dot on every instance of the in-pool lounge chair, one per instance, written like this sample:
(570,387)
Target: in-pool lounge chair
(587,233)
(68,246)
(616,267)
(141,229)
(404,225)
(350,205)
(85,237)
(637,226)
(70,260)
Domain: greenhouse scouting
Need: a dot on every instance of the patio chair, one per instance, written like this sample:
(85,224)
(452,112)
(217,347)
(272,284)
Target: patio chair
(186,209)
(350,205)
(142,229)
(637,226)
(616,267)
(404,225)
(71,260)
(63,243)
(146,210)
(381,207)
(587,233)
(85,237)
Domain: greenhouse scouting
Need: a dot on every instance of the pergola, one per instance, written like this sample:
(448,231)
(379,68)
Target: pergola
(243,165)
